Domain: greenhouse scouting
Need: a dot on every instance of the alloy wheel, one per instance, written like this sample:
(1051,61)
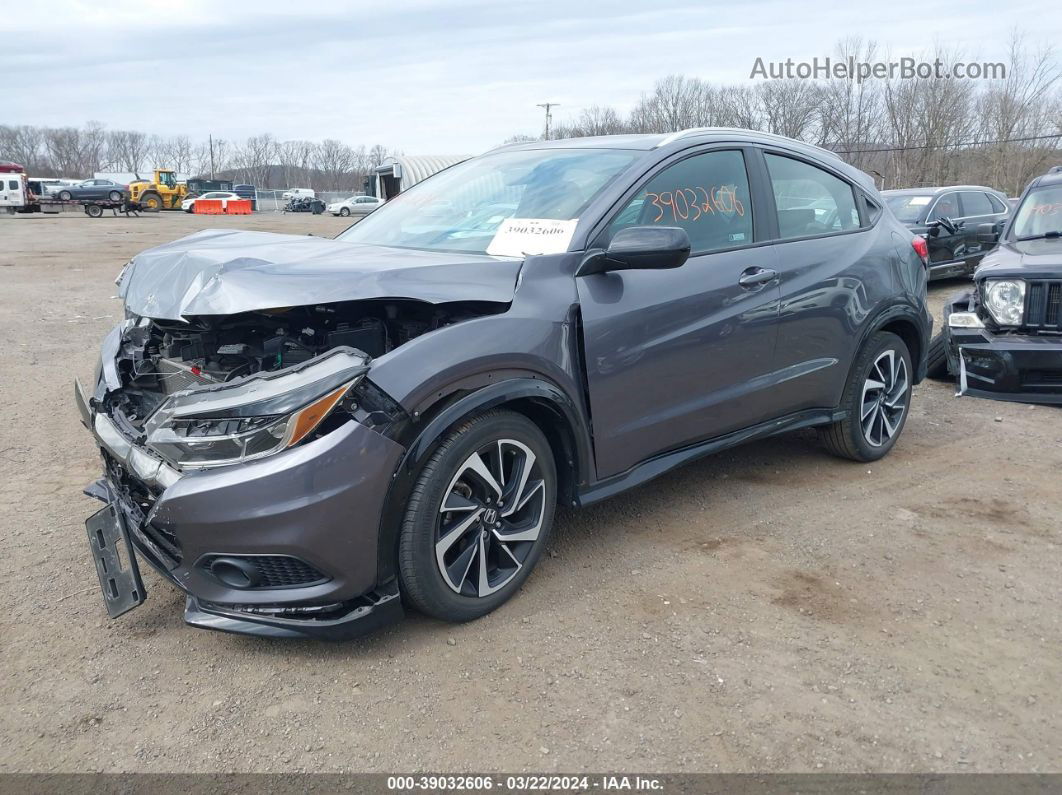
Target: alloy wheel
(884,398)
(490,518)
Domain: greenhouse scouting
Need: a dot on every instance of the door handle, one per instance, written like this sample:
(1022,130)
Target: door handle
(754,277)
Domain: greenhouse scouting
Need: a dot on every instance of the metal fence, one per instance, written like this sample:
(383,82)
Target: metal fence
(274,201)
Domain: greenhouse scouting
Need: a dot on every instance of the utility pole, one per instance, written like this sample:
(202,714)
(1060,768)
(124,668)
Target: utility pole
(211,138)
(549,115)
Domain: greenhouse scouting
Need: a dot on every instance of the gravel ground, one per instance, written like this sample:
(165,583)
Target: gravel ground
(768,609)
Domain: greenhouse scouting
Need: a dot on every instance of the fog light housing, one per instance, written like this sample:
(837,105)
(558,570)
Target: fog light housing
(237,573)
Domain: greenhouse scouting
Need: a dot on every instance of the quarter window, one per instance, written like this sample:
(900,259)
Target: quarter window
(809,200)
(706,194)
(997,204)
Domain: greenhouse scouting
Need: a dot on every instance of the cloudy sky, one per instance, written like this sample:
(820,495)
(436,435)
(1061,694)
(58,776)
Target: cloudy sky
(429,77)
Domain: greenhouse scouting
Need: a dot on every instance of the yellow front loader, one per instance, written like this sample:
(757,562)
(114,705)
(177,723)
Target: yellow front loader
(162,192)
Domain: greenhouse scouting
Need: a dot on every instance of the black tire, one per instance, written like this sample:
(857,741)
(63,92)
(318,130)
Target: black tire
(937,366)
(151,202)
(848,438)
(115,196)
(344,211)
(420,573)
(64,195)
(93,210)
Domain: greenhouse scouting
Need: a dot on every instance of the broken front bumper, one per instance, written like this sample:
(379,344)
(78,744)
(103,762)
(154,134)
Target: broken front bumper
(304,522)
(1020,368)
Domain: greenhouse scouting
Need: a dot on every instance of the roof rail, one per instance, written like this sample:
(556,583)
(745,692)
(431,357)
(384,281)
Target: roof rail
(675,136)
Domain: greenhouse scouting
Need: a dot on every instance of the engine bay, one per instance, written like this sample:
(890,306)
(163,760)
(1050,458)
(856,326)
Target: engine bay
(161,357)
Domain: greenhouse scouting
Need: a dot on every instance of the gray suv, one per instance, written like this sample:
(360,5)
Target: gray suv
(305,434)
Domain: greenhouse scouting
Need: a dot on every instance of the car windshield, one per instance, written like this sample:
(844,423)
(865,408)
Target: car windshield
(461,208)
(908,208)
(1040,213)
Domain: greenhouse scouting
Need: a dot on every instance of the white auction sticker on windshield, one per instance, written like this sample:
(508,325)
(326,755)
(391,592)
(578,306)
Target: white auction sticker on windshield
(517,237)
(918,201)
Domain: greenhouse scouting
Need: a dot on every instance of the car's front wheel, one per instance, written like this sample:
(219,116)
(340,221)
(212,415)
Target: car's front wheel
(344,211)
(478,517)
(877,399)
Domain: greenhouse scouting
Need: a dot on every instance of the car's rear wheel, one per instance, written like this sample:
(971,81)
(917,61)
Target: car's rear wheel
(344,211)
(115,196)
(876,399)
(65,195)
(937,366)
(478,518)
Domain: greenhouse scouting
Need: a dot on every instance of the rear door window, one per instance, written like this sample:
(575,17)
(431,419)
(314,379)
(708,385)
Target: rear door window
(705,194)
(975,203)
(810,200)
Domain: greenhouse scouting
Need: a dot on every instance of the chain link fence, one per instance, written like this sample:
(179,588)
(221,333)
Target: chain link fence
(274,201)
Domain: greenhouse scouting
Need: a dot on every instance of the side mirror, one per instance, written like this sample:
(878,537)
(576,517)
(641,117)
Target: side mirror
(989,233)
(640,248)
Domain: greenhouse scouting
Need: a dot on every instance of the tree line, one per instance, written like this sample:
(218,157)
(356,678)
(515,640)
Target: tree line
(260,160)
(905,132)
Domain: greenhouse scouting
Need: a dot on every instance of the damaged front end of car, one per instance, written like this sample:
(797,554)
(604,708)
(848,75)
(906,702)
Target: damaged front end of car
(247,453)
(1003,339)
(206,473)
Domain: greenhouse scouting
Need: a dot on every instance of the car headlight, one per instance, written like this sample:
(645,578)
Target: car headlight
(252,417)
(1005,300)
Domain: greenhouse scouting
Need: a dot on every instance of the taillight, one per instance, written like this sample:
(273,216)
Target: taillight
(921,247)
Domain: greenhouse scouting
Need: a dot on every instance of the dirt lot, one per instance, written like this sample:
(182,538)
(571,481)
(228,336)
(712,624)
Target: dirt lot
(769,609)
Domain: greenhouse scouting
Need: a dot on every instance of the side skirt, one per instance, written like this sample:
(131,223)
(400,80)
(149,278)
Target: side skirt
(654,467)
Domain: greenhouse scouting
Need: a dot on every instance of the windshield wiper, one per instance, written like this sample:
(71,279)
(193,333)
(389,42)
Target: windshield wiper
(1051,234)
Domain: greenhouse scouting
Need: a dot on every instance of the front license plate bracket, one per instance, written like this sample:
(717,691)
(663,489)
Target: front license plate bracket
(109,541)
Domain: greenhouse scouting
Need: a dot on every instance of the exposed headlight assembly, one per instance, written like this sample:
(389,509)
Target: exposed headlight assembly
(1005,300)
(252,417)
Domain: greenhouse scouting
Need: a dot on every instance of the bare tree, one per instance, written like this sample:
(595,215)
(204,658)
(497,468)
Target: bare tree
(850,111)
(25,145)
(334,160)
(127,150)
(1014,108)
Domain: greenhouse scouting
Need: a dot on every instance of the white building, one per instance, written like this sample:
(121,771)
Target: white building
(396,174)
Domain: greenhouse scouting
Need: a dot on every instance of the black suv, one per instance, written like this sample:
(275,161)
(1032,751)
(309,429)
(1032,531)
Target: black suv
(1003,339)
(951,219)
(302,433)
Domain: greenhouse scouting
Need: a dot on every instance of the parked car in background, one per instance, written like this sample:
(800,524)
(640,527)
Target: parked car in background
(298,193)
(355,205)
(948,218)
(188,205)
(99,189)
(247,192)
(304,433)
(1003,338)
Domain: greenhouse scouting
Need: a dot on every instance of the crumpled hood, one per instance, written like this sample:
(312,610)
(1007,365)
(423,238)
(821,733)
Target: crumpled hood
(1027,259)
(224,272)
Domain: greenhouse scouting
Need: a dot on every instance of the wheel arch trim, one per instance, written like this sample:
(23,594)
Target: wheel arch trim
(896,314)
(545,399)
